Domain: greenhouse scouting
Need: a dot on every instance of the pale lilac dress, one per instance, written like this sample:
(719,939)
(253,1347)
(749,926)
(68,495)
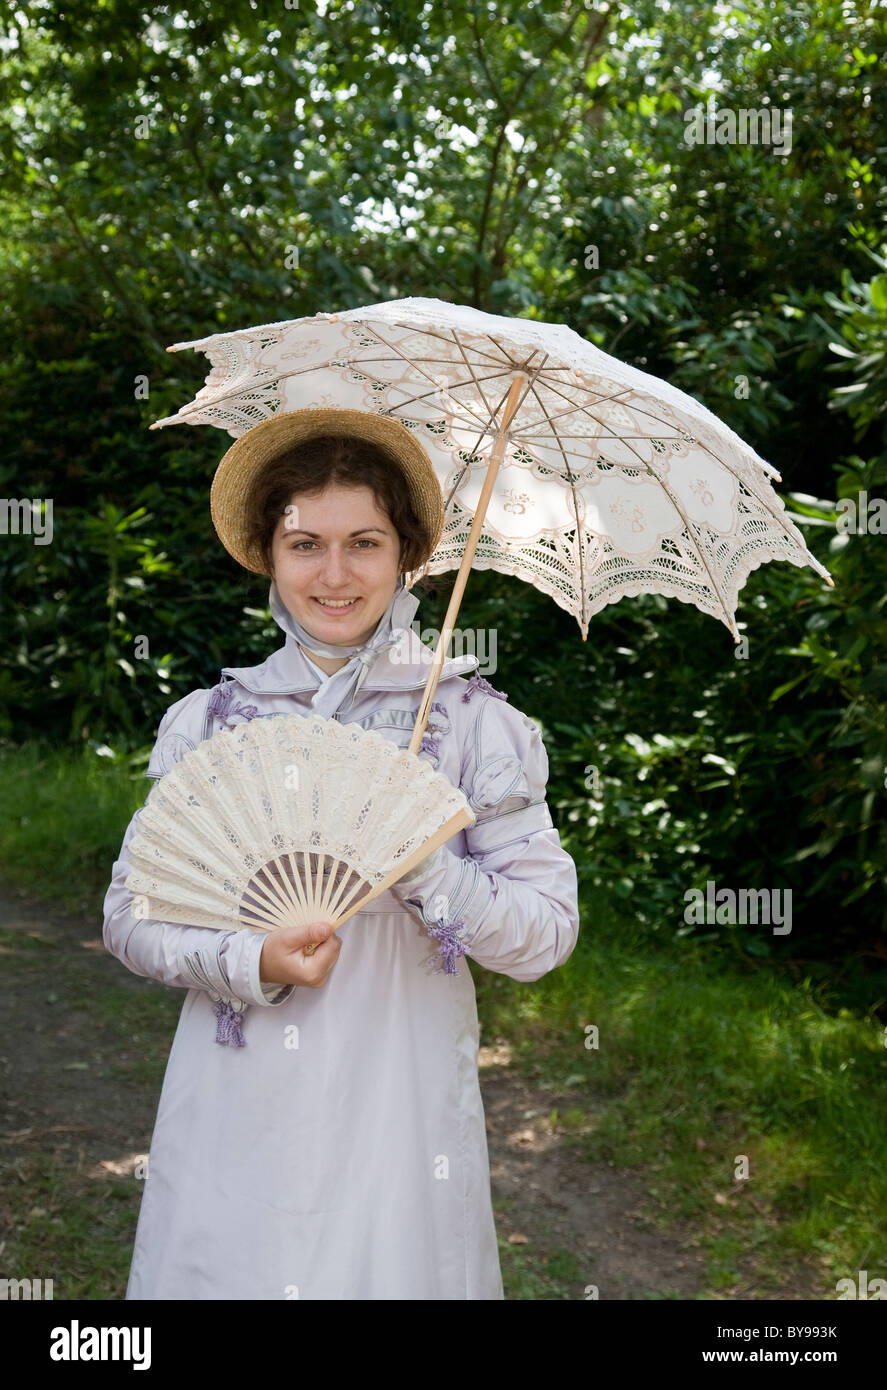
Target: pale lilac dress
(330,1143)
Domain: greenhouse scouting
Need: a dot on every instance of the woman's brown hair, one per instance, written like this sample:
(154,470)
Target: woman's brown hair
(310,467)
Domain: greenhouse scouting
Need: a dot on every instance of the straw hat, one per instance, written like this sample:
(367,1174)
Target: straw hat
(248,456)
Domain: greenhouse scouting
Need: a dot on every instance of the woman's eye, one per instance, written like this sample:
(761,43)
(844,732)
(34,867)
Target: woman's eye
(362,541)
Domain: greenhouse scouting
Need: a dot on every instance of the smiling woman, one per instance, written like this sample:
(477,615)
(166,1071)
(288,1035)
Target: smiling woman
(310,467)
(336,581)
(335,1146)
(335,526)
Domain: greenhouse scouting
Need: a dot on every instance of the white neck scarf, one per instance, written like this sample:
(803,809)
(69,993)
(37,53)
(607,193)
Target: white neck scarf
(340,691)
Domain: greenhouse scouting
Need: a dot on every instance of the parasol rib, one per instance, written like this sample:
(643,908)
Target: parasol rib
(443,641)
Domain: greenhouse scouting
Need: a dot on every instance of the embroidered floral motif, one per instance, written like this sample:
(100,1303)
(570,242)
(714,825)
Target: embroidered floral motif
(221,706)
(432,733)
(478,683)
(517,501)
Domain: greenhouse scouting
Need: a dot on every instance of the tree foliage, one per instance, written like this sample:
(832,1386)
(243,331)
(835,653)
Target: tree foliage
(160,167)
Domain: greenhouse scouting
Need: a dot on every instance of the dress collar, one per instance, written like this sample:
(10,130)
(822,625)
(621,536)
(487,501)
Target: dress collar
(404,666)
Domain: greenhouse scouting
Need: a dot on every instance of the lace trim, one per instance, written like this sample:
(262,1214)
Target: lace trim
(614,483)
(328,806)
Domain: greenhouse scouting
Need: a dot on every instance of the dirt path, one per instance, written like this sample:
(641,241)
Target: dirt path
(82,1054)
(565,1205)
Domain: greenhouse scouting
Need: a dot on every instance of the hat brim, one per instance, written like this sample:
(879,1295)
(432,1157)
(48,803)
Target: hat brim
(241,466)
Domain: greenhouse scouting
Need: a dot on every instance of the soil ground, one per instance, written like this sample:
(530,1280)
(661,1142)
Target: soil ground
(84,1045)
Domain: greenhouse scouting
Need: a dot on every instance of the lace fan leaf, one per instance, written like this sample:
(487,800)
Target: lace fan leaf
(283,821)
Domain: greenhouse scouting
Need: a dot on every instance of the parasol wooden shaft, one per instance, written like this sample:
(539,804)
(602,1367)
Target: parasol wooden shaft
(443,641)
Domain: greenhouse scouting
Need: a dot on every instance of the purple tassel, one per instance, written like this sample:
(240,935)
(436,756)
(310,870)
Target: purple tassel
(478,683)
(228,1030)
(220,703)
(451,947)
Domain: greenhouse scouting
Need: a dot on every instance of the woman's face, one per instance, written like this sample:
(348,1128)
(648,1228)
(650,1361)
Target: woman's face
(334,547)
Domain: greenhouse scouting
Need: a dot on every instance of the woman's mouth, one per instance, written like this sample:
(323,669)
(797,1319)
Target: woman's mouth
(337,605)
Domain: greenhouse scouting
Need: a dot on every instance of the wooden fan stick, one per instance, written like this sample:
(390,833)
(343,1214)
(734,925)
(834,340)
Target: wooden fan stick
(274,906)
(284,900)
(283,897)
(291,886)
(297,883)
(331,890)
(338,900)
(440,837)
(446,832)
(266,911)
(443,641)
(316,885)
(280,889)
(264,893)
(308,879)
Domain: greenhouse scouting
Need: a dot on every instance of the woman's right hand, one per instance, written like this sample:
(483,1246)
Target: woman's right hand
(283,960)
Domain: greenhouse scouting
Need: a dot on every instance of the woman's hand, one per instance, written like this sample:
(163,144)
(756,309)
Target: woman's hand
(283,960)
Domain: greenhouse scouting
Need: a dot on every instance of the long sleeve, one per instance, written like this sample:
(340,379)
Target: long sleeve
(224,963)
(515,897)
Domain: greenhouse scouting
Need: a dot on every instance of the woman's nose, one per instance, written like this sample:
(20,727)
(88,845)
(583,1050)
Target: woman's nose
(334,568)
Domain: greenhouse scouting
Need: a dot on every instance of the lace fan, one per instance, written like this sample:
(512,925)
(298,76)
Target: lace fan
(286,820)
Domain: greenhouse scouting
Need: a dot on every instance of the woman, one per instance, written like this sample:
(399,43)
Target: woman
(332,1145)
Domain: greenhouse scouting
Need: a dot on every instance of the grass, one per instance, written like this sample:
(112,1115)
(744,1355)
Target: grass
(701,1071)
(529,1277)
(701,1074)
(76,1225)
(62,817)
(64,1219)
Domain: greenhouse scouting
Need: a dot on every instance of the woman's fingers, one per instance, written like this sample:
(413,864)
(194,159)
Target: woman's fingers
(317,965)
(302,955)
(315,933)
(311,933)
